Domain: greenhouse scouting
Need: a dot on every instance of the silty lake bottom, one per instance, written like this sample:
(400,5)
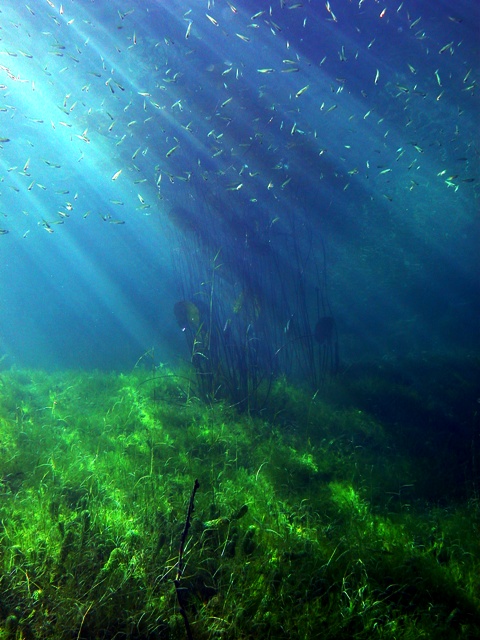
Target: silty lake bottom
(239,320)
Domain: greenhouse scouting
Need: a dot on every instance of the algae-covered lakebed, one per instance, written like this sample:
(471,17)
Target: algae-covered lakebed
(350,513)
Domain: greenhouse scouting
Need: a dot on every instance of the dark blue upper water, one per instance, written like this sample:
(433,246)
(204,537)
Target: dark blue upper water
(320,159)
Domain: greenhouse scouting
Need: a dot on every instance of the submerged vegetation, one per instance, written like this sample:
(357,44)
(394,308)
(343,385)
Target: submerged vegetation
(354,513)
(255,310)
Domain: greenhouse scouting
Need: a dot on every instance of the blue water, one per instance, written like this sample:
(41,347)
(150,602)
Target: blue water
(272,139)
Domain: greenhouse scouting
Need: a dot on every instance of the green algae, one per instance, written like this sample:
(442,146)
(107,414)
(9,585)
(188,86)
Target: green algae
(314,517)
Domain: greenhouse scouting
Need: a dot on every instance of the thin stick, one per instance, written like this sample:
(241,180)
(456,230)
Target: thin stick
(183,539)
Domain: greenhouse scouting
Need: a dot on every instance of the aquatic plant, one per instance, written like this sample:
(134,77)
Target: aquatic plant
(248,314)
(304,523)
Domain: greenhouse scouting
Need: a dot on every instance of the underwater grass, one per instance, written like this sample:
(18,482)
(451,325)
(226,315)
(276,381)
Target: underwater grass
(318,518)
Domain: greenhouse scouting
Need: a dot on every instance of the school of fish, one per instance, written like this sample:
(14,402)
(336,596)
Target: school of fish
(113,111)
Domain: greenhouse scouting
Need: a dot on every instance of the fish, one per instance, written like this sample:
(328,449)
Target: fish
(302,90)
(329,9)
(172,150)
(447,46)
(212,20)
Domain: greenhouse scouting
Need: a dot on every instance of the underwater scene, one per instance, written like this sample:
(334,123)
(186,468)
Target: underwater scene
(239,319)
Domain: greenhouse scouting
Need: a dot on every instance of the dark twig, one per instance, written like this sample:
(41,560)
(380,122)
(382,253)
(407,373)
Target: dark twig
(176,582)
